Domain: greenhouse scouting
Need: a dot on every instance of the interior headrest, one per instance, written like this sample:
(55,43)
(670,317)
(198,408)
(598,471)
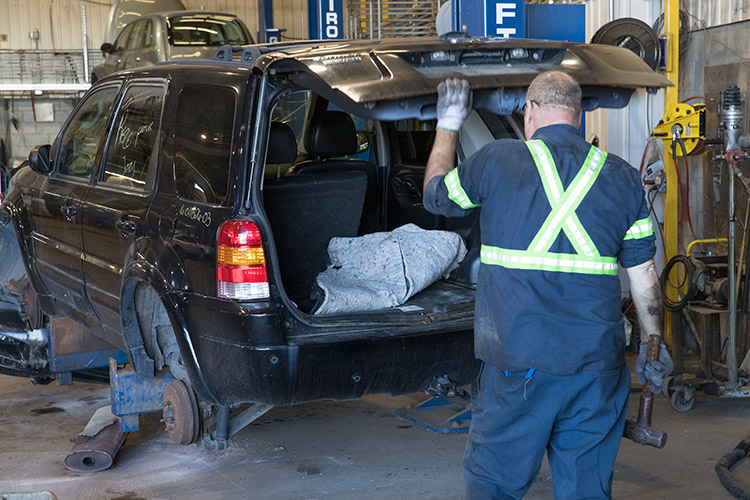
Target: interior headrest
(282,146)
(330,134)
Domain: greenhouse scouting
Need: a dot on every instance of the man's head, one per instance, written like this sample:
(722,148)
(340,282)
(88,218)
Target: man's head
(553,98)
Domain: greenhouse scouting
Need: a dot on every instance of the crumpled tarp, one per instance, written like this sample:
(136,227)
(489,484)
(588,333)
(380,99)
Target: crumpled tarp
(383,270)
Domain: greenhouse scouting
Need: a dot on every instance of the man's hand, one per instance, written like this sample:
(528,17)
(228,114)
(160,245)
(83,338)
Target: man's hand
(454,104)
(653,371)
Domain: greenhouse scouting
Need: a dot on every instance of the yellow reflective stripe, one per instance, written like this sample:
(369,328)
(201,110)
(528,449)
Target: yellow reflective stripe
(640,229)
(456,192)
(548,261)
(563,216)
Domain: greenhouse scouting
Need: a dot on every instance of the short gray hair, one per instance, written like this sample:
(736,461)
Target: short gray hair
(555,88)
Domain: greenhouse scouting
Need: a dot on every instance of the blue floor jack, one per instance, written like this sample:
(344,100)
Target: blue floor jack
(448,411)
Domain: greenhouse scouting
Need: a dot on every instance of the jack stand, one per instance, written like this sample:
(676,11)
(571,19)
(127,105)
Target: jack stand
(226,427)
(448,411)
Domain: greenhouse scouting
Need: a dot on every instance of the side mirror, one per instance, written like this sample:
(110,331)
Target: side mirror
(39,159)
(106,48)
(363,141)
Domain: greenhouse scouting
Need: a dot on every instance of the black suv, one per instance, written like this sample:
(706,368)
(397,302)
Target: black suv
(184,210)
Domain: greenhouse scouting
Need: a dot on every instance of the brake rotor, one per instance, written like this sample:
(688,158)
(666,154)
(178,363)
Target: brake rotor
(634,35)
(180,412)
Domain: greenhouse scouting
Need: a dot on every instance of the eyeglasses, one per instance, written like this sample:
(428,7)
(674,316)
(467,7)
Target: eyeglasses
(532,101)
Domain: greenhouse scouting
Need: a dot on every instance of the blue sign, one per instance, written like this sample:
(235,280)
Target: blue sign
(331,19)
(498,18)
(504,19)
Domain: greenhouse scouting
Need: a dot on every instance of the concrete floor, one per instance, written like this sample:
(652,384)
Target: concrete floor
(330,450)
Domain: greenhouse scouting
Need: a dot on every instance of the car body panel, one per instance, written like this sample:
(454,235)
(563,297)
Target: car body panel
(382,72)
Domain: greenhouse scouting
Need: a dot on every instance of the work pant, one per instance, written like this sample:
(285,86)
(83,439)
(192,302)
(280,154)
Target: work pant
(578,419)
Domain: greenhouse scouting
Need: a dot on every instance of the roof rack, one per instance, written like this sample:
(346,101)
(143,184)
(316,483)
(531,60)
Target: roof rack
(250,53)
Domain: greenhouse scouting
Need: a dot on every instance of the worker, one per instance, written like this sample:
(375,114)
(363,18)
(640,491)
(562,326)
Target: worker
(557,215)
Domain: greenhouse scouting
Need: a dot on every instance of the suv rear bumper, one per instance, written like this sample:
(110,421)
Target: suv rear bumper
(237,370)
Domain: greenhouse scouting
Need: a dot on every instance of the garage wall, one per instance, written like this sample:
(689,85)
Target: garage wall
(59,22)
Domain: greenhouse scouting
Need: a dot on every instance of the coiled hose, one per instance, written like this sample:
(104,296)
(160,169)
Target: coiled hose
(692,290)
(724,470)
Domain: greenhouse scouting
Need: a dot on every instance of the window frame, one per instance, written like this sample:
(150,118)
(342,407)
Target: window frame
(153,167)
(117,85)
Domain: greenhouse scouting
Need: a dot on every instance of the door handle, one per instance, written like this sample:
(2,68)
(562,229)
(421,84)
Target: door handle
(69,213)
(137,59)
(126,226)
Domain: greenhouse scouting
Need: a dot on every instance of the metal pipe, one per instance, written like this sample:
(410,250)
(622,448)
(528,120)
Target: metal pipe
(707,240)
(85,47)
(732,384)
(222,425)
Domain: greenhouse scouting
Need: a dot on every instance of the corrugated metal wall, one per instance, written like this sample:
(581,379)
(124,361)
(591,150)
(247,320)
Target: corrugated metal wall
(59,22)
(710,13)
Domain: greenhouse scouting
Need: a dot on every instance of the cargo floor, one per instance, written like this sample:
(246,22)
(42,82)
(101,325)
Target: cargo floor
(357,449)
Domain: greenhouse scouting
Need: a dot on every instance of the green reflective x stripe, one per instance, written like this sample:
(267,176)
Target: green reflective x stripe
(562,217)
(548,261)
(564,204)
(456,192)
(640,229)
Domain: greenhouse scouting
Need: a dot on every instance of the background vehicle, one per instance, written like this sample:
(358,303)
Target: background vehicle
(184,210)
(123,12)
(170,36)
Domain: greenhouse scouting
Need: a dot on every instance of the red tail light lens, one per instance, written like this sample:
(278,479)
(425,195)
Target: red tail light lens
(241,262)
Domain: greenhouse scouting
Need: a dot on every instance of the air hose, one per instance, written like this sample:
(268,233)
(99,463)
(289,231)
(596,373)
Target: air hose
(724,470)
(692,290)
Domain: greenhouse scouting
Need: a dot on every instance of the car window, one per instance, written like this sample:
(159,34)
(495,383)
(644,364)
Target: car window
(205,30)
(81,139)
(139,32)
(292,110)
(203,142)
(148,35)
(122,41)
(134,136)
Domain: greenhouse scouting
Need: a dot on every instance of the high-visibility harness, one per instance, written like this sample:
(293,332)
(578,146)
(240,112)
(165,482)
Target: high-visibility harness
(562,217)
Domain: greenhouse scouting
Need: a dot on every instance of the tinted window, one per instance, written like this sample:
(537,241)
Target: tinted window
(205,30)
(415,139)
(134,134)
(203,142)
(80,141)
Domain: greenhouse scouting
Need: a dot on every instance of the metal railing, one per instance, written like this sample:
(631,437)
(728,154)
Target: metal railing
(46,70)
(392,18)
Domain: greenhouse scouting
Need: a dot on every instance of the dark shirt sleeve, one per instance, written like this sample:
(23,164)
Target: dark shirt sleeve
(639,244)
(456,193)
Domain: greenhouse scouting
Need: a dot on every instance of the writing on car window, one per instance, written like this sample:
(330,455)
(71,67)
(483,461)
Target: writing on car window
(134,136)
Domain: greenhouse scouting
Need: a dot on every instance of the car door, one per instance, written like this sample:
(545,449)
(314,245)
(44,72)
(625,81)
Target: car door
(113,212)
(56,237)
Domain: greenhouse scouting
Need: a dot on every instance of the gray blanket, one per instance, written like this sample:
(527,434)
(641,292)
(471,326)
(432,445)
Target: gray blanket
(383,270)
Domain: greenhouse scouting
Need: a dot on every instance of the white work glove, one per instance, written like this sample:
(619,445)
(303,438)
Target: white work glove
(454,103)
(653,371)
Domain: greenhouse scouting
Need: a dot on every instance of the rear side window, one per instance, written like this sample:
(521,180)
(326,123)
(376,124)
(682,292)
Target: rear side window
(202,29)
(203,142)
(132,143)
(80,142)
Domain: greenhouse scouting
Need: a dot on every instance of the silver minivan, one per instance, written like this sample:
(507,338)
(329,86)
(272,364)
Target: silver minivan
(170,36)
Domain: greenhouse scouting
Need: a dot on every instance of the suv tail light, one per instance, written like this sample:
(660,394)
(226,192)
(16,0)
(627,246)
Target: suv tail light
(240,262)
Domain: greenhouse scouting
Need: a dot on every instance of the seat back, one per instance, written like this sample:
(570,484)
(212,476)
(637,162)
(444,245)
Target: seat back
(329,136)
(282,149)
(305,212)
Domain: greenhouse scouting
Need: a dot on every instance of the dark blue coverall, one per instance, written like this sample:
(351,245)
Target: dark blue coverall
(557,215)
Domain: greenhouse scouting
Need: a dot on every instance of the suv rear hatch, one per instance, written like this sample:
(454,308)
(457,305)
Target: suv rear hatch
(397,81)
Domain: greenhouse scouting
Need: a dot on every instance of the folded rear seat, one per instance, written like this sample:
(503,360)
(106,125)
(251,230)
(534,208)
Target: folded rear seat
(305,212)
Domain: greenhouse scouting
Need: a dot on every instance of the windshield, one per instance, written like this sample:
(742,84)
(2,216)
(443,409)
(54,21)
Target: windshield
(205,30)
